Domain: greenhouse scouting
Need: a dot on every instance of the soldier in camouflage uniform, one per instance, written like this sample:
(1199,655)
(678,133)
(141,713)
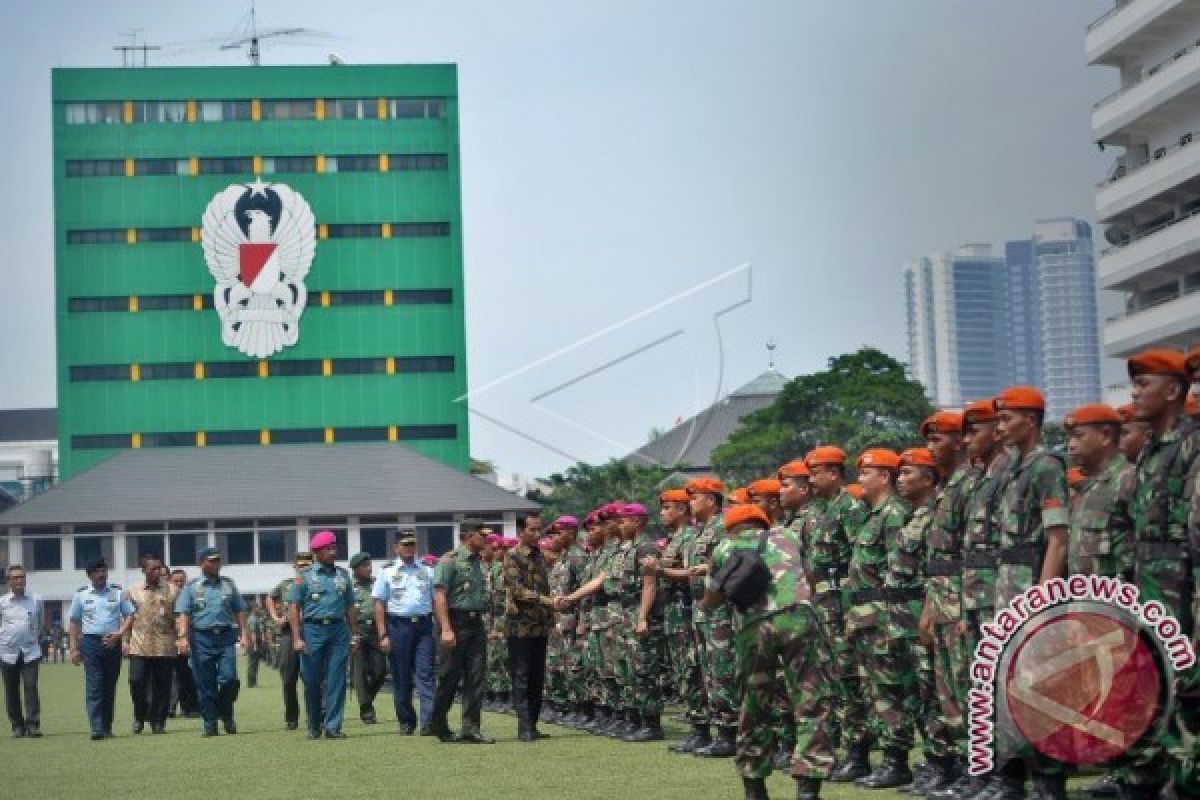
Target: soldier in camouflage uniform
(368,664)
(714,628)
(942,612)
(906,583)
(566,692)
(289,659)
(499,681)
(642,625)
(1101,532)
(683,664)
(1033,521)
(593,620)
(1166,524)
(1134,434)
(885,665)
(779,640)
(831,523)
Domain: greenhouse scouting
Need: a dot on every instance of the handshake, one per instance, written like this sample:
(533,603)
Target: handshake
(563,603)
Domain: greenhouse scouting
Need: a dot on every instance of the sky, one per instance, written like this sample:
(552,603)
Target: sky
(652,191)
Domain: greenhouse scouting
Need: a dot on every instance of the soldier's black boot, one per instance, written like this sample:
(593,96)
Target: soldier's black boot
(602,719)
(854,767)
(587,714)
(698,738)
(629,724)
(650,730)
(782,760)
(1049,787)
(1129,791)
(892,772)
(755,788)
(724,746)
(808,788)
(940,773)
(1106,787)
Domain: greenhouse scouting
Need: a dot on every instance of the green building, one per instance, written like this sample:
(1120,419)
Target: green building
(365,343)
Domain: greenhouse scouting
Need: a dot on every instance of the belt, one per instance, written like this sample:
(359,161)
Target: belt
(942,567)
(213,629)
(1163,550)
(1026,555)
(413,619)
(979,560)
(890,595)
(462,612)
(324,620)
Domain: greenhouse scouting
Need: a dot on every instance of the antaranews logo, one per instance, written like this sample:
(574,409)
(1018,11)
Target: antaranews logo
(1078,668)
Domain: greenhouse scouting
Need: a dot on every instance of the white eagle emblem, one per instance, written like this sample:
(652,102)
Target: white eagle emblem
(259,240)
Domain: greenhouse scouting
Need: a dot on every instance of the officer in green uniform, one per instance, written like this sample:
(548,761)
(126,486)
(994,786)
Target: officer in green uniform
(368,666)
(287,658)
(459,604)
(254,634)
(779,641)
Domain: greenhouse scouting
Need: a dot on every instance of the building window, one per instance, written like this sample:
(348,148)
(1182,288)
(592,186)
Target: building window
(359,366)
(158,111)
(352,108)
(360,231)
(422,296)
(103,168)
(164,235)
(421,432)
(104,441)
(419,229)
(439,538)
(352,164)
(168,302)
(276,547)
(289,109)
(402,162)
(98,304)
(184,546)
(89,548)
(359,297)
(166,372)
(100,372)
(216,438)
(223,110)
(280,164)
(161,166)
(294,367)
(114,236)
(338,526)
(182,439)
(236,547)
(225,166)
(416,108)
(231,369)
(425,364)
(94,113)
(360,434)
(298,436)
(374,542)
(42,553)
(144,544)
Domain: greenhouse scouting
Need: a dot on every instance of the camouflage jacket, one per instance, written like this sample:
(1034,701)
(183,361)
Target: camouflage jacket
(566,576)
(364,603)
(1033,501)
(672,556)
(700,552)
(602,564)
(876,539)
(789,585)
(280,595)
(981,540)
(906,572)
(1166,516)
(828,531)
(528,606)
(1101,538)
(944,547)
(631,572)
(493,583)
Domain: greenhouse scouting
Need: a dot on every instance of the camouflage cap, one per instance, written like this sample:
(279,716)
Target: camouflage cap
(358,559)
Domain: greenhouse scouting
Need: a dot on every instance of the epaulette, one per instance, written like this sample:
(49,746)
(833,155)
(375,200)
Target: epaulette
(115,586)
(82,588)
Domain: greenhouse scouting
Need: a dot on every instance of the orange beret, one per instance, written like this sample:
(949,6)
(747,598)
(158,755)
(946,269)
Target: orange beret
(1159,361)
(1192,362)
(763,486)
(1075,476)
(1126,412)
(879,457)
(824,456)
(736,515)
(705,486)
(942,422)
(1020,398)
(673,496)
(917,457)
(793,469)
(1092,414)
(979,411)
(854,490)
(739,496)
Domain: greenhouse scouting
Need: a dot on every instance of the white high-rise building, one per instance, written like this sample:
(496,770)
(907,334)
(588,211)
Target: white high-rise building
(1150,200)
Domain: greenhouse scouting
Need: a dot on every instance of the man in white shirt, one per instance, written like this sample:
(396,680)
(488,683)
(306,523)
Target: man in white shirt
(20,621)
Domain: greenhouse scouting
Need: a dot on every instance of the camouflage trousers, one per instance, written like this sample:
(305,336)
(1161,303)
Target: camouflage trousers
(950,664)
(612,653)
(682,665)
(641,691)
(714,645)
(937,741)
(783,654)
(1174,755)
(593,668)
(498,677)
(848,721)
(559,645)
(886,667)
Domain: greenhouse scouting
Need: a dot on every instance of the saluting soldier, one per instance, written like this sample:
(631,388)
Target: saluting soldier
(368,666)
(289,660)
(459,603)
(323,613)
(209,614)
(100,616)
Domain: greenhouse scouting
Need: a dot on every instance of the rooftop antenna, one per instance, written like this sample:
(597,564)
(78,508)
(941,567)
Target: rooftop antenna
(771,354)
(255,37)
(129,51)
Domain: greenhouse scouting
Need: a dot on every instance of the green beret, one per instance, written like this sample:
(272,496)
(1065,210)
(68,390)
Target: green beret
(470,524)
(358,558)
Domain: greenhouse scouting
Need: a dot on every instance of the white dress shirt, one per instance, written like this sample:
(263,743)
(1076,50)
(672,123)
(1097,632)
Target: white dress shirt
(20,621)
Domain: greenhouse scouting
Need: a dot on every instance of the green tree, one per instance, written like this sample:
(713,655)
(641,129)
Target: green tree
(583,487)
(863,399)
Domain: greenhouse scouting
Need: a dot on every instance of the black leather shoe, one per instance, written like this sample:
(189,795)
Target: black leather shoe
(314,735)
(699,738)
(33,733)
(447,737)
(230,726)
(209,730)
(18,733)
(526,736)
(1106,787)
(98,736)
(335,735)
(426,730)
(754,788)
(650,731)
(476,737)
(292,725)
(854,767)
(138,726)
(158,729)
(408,730)
(367,715)
(808,788)
(892,772)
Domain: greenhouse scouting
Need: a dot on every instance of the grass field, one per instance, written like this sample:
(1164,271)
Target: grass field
(264,761)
